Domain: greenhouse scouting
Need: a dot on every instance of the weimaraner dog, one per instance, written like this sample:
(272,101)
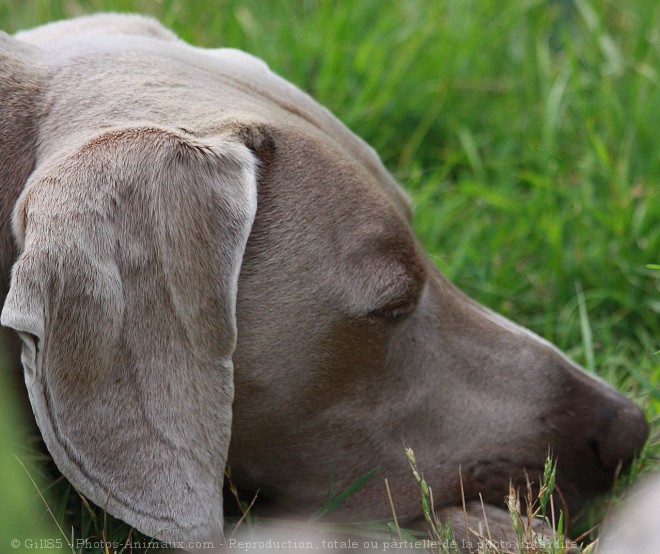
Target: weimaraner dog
(206,268)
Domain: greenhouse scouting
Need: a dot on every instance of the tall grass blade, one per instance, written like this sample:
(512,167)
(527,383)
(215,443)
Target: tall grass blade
(336,501)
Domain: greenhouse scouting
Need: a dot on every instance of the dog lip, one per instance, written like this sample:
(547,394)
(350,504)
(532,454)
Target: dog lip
(573,490)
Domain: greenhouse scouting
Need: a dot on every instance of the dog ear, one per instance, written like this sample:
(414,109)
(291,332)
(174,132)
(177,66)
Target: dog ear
(124,296)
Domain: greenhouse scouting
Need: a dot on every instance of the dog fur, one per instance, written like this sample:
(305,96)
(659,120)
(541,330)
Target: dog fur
(209,268)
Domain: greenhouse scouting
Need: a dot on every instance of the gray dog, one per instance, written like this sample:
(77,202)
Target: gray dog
(208,268)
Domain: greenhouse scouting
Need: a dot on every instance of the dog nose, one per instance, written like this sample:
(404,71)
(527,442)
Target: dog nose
(620,434)
(596,432)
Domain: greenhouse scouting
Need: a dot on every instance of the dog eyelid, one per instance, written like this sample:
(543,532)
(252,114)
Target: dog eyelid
(392,313)
(399,308)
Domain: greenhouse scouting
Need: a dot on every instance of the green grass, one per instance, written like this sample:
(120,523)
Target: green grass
(525,131)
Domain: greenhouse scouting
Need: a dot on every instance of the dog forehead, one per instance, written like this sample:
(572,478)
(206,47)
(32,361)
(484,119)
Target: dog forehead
(112,79)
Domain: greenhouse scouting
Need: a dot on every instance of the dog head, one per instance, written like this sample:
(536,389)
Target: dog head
(211,268)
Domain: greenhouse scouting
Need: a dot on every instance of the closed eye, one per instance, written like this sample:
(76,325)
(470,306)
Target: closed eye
(399,308)
(394,313)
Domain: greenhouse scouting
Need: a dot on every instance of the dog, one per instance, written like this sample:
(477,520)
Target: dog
(207,269)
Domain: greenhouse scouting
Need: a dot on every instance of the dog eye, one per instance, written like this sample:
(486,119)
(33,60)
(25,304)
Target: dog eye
(401,298)
(395,311)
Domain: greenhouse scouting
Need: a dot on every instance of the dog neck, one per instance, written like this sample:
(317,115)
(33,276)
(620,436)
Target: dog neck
(21,90)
